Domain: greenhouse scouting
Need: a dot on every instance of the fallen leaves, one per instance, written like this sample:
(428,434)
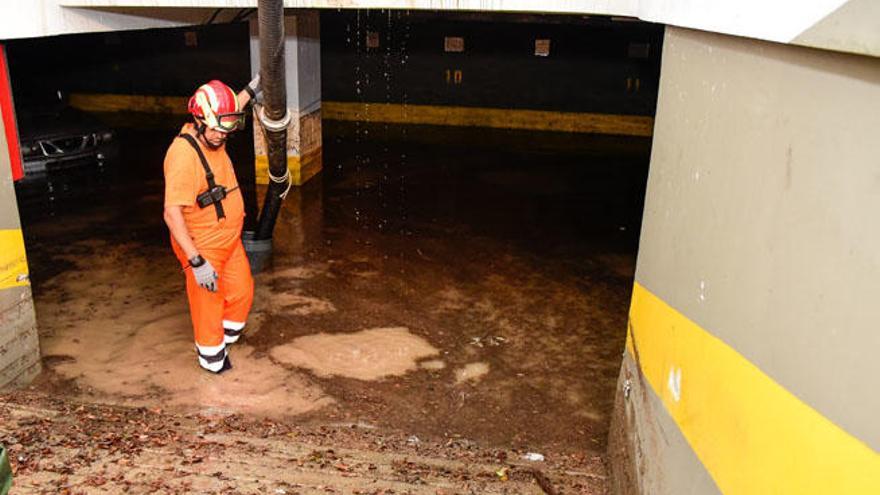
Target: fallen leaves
(84,448)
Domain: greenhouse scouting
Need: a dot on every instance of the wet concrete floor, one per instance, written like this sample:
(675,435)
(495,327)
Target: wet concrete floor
(462,286)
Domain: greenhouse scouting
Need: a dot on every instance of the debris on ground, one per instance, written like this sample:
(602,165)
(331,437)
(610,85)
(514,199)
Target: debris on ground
(57,446)
(488,341)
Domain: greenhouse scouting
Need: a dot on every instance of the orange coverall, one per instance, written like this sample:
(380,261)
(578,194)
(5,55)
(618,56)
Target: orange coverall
(218,317)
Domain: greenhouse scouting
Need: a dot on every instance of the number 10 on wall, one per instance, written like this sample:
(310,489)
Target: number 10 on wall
(453,76)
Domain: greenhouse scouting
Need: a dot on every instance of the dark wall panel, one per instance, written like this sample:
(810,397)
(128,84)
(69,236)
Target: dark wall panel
(149,62)
(594,65)
(161,62)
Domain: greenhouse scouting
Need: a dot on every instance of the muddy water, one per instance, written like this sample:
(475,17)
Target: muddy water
(366,355)
(122,342)
(437,290)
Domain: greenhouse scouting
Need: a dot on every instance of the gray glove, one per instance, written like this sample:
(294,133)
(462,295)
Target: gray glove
(204,273)
(255,89)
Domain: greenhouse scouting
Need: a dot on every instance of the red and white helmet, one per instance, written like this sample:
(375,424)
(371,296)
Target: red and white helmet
(215,104)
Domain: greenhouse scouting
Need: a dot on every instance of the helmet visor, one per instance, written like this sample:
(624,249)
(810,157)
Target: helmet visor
(229,122)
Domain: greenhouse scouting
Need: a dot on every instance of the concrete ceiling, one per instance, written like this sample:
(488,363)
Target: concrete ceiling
(849,26)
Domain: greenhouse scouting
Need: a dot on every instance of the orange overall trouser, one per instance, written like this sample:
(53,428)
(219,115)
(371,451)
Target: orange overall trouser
(219,317)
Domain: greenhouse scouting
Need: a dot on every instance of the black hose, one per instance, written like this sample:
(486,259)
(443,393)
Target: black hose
(270,15)
(213,17)
(242,15)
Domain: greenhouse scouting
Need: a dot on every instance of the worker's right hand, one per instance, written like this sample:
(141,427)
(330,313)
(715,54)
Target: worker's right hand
(255,89)
(204,273)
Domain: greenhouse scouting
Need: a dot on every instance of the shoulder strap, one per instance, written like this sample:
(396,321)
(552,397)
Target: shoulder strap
(209,175)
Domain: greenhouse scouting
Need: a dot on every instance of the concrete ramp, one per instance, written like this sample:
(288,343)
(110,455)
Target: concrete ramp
(62,447)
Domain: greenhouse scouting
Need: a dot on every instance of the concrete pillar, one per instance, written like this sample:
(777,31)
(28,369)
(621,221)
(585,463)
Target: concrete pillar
(19,345)
(751,360)
(303,64)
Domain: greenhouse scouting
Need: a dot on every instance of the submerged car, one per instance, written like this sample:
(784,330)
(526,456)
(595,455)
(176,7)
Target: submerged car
(59,142)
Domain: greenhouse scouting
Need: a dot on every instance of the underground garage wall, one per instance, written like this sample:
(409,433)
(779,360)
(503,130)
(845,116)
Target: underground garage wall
(751,352)
(19,346)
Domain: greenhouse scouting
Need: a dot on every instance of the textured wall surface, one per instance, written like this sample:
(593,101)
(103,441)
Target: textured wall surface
(19,347)
(753,321)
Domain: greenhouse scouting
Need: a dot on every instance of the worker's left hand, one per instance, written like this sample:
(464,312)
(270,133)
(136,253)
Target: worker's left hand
(205,274)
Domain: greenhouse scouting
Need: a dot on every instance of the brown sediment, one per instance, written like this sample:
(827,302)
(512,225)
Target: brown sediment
(366,355)
(126,338)
(550,342)
(443,298)
(294,302)
(139,358)
(471,371)
(432,364)
(57,446)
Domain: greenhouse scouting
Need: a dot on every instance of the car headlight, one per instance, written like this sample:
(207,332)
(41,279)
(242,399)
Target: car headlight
(31,149)
(104,137)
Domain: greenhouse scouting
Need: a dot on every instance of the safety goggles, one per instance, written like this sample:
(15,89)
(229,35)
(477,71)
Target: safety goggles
(230,122)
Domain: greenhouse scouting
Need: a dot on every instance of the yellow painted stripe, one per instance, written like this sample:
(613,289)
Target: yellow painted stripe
(536,120)
(13,261)
(499,118)
(752,435)
(129,103)
(301,168)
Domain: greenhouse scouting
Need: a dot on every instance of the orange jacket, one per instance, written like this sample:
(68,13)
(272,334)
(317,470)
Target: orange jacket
(185,179)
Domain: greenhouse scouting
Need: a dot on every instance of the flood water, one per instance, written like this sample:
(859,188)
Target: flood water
(446,283)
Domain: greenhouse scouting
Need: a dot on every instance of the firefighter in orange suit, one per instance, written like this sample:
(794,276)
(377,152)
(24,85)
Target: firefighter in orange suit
(204,211)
